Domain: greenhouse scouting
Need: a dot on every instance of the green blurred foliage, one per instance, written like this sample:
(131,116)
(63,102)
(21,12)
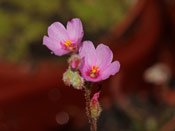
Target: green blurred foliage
(24,22)
(99,14)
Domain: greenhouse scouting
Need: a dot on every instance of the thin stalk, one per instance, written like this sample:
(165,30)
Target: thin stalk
(92,121)
(174,117)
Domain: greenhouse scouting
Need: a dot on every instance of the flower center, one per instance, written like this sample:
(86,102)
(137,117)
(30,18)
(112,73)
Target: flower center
(69,45)
(94,71)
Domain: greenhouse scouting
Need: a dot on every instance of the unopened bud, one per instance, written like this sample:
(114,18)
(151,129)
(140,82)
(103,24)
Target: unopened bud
(78,81)
(95,106)
(68,76)
(73,78)
(74,61)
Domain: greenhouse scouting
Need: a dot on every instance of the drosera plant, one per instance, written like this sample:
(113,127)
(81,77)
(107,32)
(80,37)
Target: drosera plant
(87,64)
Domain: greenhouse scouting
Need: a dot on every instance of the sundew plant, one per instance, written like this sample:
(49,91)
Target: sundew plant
(87,64)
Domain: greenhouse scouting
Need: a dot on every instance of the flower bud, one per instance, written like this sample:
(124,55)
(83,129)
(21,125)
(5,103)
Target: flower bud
(68,76)
(74,62)
(73,78)
(78,81)
(95,106)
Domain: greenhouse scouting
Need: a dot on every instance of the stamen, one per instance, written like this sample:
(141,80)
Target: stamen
(92,67)
(66,44)
(69,42)
(69,45)
(94,71)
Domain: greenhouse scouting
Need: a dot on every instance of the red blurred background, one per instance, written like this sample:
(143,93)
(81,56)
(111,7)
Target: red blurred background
(35,98)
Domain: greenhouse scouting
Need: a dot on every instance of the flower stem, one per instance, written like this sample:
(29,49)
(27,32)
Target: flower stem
(92,122)
(174,116)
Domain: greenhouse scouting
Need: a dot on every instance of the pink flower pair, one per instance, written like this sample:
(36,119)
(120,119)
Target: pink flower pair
(96,64)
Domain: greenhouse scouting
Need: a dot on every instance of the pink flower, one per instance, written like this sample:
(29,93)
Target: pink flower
(63,40)
(96,64)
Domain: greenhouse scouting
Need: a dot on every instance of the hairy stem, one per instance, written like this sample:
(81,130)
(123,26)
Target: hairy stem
(92,121)
(174,116)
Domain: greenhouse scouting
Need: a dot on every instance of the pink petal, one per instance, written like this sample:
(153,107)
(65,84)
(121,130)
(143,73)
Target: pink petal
(51,43)
(58,31)
(75,30)
(88,78)
(94,80)
(88,52)
(54,46)
(96,96)
(104,55)
(84,68)
(111,69)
